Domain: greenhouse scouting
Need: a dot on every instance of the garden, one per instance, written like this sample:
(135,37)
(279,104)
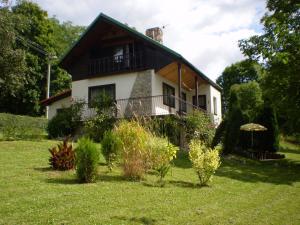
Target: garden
(132,172)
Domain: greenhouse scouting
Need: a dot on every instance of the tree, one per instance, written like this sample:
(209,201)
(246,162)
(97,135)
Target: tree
(12,63)
(38,36)
(278,51)
(269,139)
(238,73)
(249,98)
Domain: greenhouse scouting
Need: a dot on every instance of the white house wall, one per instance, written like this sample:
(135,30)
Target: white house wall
(216,116)
(63,103)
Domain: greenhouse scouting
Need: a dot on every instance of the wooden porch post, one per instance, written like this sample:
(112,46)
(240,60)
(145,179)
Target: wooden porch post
(179,86)
(196,91)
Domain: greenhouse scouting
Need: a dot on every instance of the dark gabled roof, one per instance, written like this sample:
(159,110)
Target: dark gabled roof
(177,56)
(54,98)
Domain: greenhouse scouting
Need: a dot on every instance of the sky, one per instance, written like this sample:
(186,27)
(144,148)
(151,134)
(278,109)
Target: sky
(205,32)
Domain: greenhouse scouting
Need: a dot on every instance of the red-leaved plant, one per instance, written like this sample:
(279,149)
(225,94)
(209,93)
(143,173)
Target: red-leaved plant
(62,156)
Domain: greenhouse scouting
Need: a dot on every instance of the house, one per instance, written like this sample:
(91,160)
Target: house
(138,71)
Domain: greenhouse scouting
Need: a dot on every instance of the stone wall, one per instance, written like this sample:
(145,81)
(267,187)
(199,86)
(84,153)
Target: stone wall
(140,102)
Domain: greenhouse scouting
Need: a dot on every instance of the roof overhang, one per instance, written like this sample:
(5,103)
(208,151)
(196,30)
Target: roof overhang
(104,18)
(54,98)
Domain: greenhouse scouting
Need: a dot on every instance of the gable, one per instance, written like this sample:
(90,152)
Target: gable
(105,32)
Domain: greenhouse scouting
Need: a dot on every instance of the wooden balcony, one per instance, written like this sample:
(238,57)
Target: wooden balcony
(118,63)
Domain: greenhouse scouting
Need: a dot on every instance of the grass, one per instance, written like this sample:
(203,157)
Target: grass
(242,192)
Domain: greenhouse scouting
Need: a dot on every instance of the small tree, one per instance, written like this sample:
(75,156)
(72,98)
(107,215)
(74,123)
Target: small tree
(87,158)
(162,153)
(205,160)
(111,147)
(232,134)
(269,139)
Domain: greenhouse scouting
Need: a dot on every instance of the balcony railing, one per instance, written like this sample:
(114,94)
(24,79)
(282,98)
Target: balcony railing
(149,106)
(118,63)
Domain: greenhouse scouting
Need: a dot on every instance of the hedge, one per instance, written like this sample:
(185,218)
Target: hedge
(16,127)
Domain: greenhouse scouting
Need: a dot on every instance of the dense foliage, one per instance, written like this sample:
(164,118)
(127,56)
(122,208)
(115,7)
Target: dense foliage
(205,160)
(134,151)
(87,158)
(162,153)
(269,140)
(198,125)
(278,50)
(111,148)
(104,118)
(237,73)
(67,121)
(13,127)
(28,38)
(249,98)
(62,156)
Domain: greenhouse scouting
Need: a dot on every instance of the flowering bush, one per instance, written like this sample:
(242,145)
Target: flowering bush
(161,153)
(205,160)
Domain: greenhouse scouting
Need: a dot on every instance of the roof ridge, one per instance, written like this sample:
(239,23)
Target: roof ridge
(143,36)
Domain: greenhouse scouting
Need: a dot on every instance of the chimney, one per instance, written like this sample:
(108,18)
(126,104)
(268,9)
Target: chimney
(155,33)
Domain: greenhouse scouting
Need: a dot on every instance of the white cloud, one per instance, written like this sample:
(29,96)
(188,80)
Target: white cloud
(205,32)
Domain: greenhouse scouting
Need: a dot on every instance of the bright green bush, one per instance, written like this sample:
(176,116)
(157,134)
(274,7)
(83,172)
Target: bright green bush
(162,153)
(62,156)
(205,160)
(15,127)
(134,151)
(111,147)
(87,158)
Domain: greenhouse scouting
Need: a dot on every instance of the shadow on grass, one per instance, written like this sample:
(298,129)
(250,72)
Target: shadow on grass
(284,171)
(140,220)
(62,181)
(184,184)
(43,169)
(111,178)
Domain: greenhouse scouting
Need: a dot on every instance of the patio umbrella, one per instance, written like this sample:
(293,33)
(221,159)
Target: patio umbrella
(252,127)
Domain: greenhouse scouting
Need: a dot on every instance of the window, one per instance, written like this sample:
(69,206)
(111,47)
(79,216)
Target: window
(169,95)
(215,105)
(201,101)
(98,93)
(183,103)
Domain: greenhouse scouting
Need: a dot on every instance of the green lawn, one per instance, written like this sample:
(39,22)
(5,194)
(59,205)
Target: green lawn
(242,192)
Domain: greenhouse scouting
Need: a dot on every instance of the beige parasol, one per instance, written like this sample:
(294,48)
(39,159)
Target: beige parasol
(252,127)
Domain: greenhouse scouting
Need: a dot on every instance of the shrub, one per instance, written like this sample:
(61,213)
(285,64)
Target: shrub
(269,139)
(15,127)
(111,145)
(62,156)
(219,134)
(167,126)
(205,160)
(232,134)
(162,153)
(104,120)
(67,121)
(96,126)
(134,154)
(87,158)
(199,126)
